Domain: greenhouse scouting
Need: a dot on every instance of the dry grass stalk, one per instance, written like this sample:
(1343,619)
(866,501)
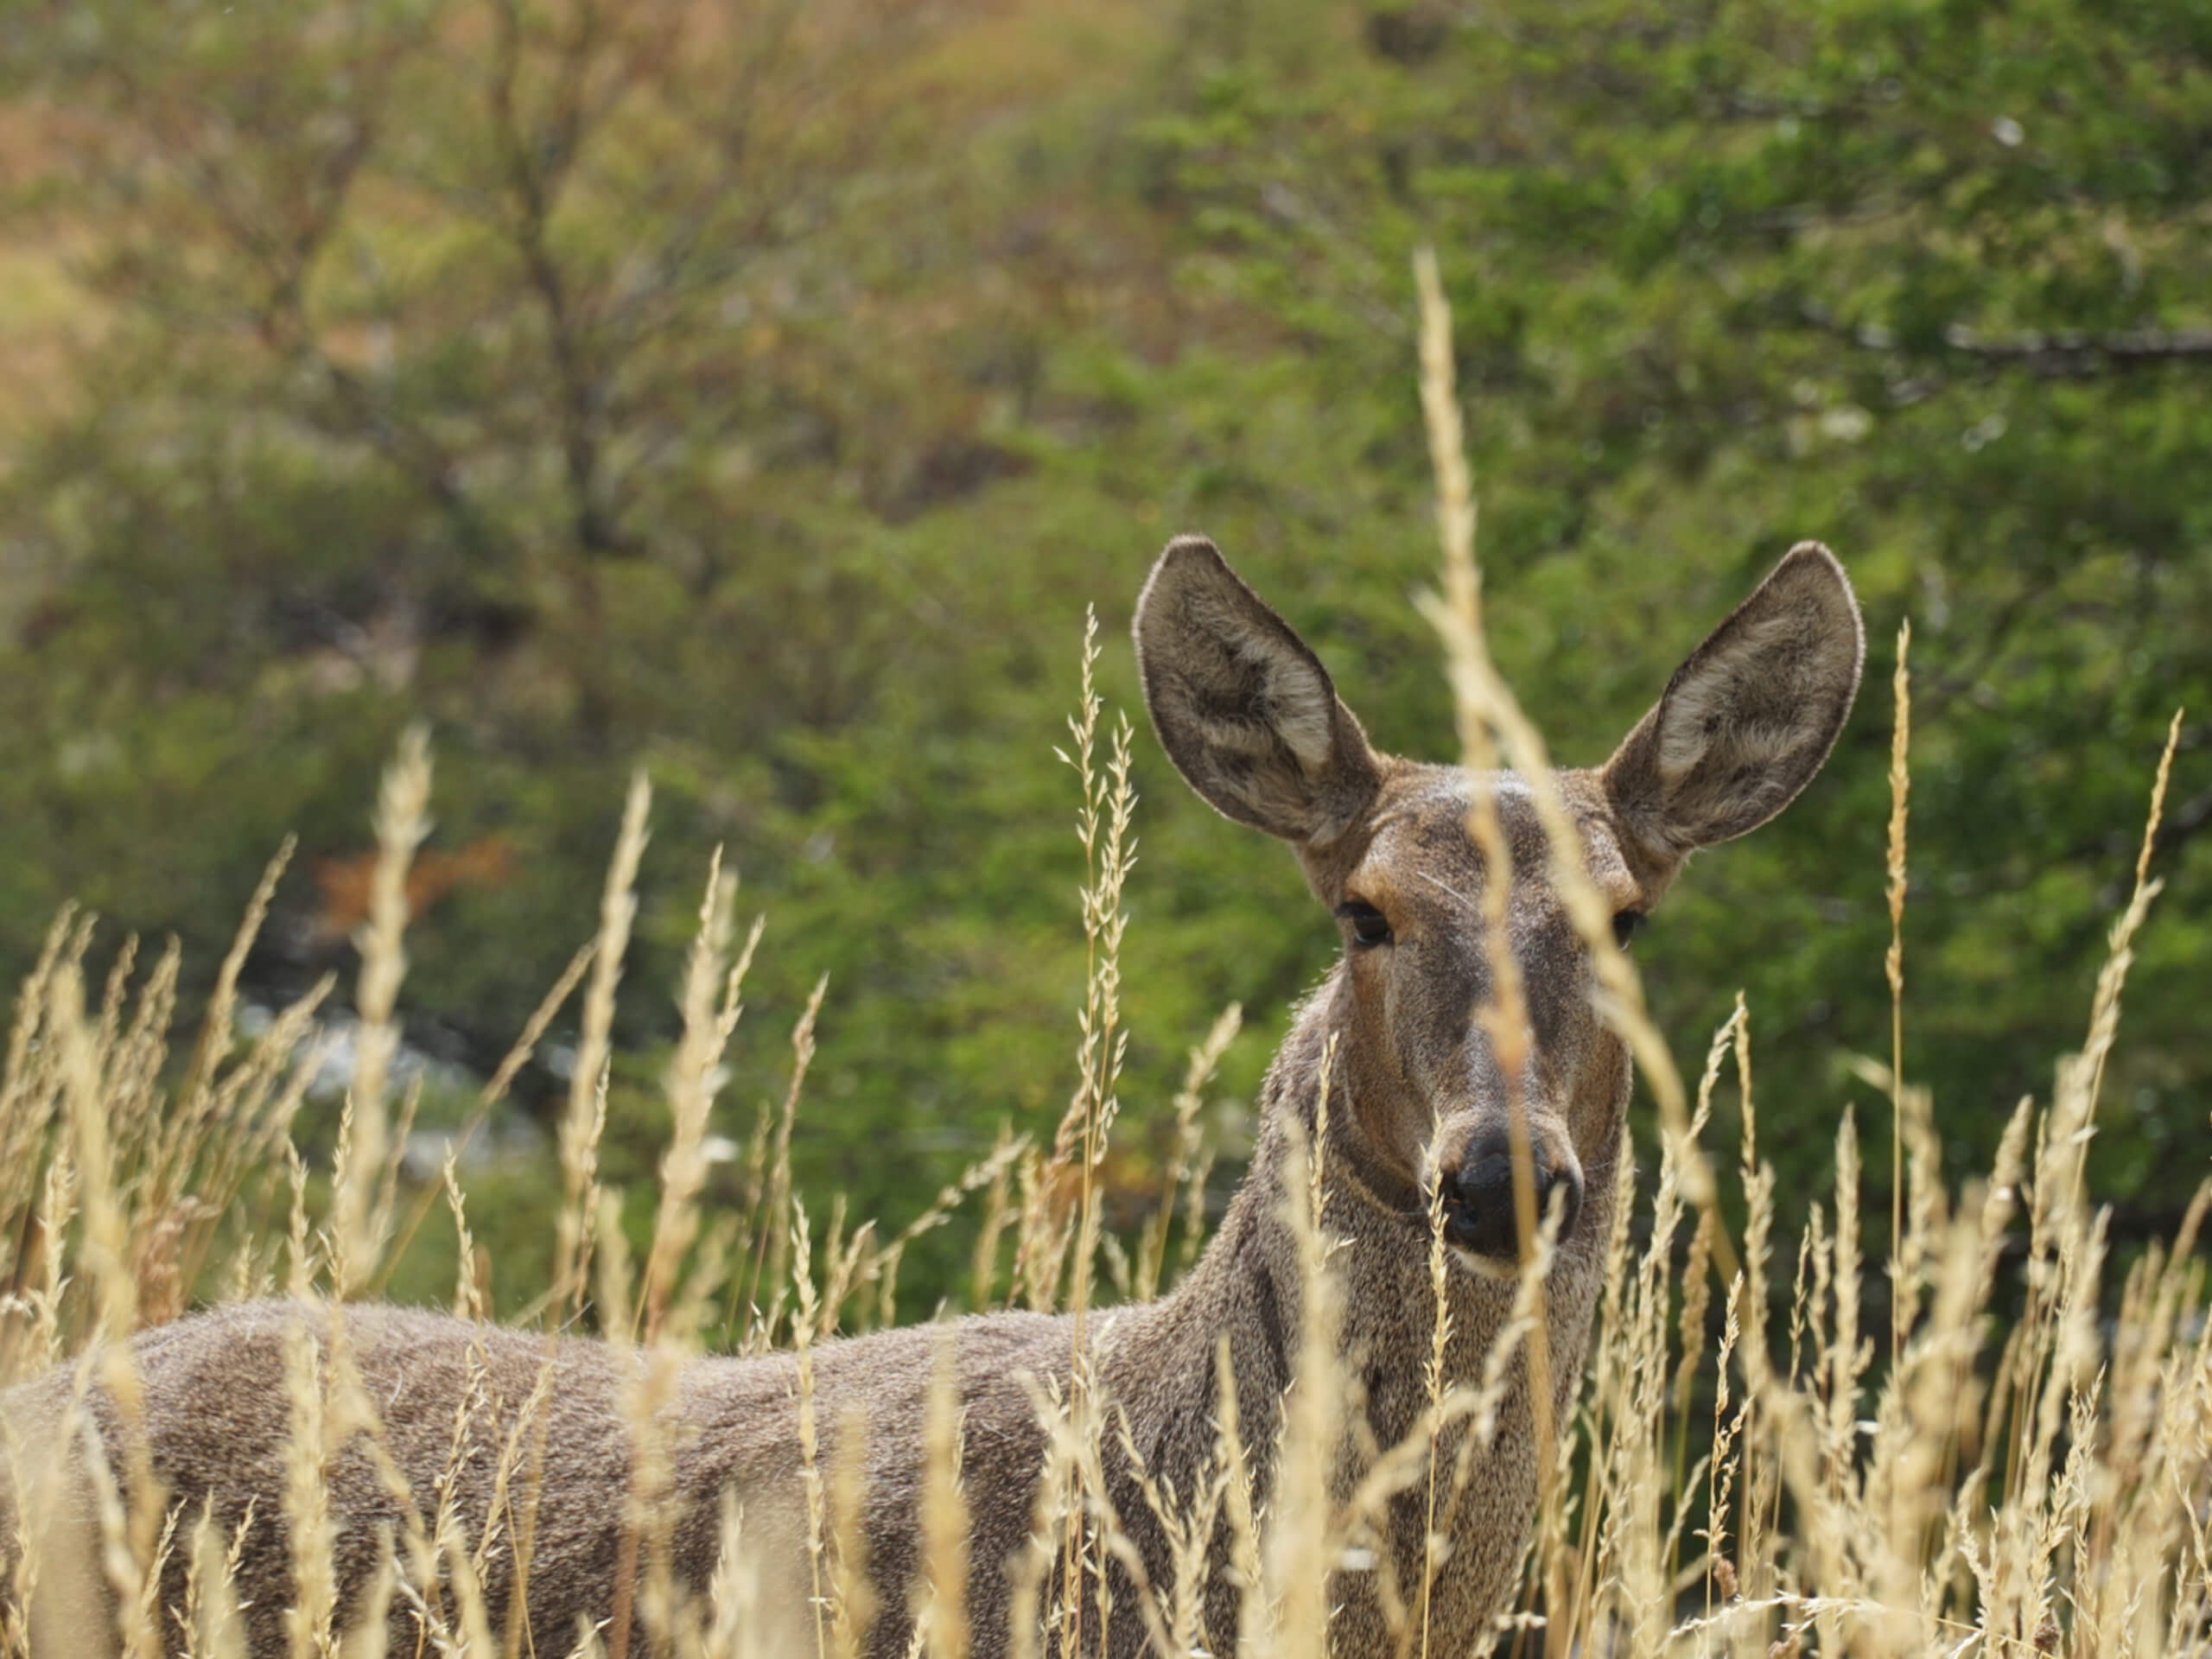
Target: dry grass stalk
(1433,1384)
(196,1097)
(711,1008)
(852,1595)
(360,1220)
(1477,687)
(1007,1155)
(1893,963)
(989,1174)
(1476,691)
(809,1441)
(493,1091)
(586,1115)
(1187,1167)
(1296,1558)
(777,1224)
(26,1096)
(942,1620)
(1107,802)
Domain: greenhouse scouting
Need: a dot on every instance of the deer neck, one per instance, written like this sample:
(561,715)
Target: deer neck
(1247,1285)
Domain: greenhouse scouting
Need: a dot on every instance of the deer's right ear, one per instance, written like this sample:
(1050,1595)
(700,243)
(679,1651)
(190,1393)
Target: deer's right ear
(1243,707)
(1747,720)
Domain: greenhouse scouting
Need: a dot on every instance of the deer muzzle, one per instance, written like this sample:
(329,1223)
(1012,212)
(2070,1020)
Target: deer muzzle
(1479,1202)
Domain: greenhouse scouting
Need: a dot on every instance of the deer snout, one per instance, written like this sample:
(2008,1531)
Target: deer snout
(1479,1214)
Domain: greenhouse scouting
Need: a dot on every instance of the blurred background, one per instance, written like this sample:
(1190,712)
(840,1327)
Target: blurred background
(757,392)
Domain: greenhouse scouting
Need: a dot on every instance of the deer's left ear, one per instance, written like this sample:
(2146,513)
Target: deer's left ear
(1748,719)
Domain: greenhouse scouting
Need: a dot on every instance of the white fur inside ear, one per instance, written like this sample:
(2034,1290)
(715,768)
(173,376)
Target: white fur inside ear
(1300,708)
(1748,718)
(1723,701)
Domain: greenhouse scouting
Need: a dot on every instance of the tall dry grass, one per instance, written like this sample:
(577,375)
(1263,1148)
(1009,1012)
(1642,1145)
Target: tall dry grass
(2026,1471)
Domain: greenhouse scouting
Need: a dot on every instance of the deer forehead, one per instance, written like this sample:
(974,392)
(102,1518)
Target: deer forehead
(1421,857)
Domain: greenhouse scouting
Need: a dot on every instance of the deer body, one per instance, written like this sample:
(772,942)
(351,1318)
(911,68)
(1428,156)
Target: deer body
(1418,1117)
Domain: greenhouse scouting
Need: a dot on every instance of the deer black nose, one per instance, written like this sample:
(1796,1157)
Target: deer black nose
(1478,1197)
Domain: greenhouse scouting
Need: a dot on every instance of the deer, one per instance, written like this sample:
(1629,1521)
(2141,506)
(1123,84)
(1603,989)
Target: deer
(1418,1133)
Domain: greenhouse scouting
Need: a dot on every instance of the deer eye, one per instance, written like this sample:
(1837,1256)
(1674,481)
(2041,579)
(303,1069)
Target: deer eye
(1369,926)
(1627,924)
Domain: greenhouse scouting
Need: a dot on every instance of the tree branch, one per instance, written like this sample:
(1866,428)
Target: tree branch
(536,173)
(2069,352)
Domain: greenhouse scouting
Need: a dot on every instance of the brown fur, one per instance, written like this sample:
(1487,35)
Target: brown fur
(1250,717)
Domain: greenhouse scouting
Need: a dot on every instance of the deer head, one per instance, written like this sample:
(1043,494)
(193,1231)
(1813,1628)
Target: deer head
(1250,718)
